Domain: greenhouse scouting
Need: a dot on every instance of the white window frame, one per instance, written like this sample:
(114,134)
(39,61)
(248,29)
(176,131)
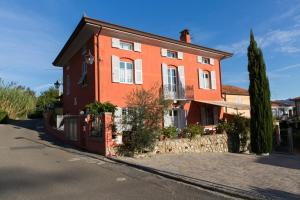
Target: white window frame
(175,53)
(123,45)
(126,69)
(172,81)
(206,80)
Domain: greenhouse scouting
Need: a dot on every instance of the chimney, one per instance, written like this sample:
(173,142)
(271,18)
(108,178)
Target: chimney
(185,36)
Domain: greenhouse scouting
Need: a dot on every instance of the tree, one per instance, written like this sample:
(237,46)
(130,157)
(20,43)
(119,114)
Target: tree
(47,98)
(261,113)
(143,121)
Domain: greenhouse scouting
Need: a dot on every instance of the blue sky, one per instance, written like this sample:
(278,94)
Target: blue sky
(33,32)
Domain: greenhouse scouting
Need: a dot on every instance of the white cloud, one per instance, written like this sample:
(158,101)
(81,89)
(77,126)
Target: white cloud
(285,41)
(238,48)
(285,68)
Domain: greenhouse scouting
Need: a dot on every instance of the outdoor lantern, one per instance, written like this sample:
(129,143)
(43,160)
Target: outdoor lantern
(57,84)
(89,58)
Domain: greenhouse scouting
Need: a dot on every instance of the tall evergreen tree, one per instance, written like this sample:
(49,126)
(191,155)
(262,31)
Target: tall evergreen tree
(261,124)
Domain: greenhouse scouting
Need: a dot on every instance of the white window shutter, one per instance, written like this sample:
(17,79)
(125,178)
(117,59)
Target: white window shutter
(201,80)
(164,68)
(211,61)
(118,119)
(115,68)
(199,59)
(138,71)
(115,42)
(213,80)
(180,55)
(181,82)
(163,52)
(167,119)
(137,47)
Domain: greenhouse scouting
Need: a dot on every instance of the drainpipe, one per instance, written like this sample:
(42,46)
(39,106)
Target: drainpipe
(98,63)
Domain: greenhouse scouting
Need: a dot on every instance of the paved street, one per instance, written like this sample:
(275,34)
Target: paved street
(276,176)
(33,168)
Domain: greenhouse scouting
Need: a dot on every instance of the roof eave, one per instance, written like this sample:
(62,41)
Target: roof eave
(85,20)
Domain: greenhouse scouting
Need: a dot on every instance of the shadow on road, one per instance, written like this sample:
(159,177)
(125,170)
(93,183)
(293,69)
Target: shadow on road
(287,161)
(277,194)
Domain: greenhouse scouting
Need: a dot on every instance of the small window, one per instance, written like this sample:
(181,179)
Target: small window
(126,72)
(205,60)
(172,54)
(127,114)
(206,80)
(126,45)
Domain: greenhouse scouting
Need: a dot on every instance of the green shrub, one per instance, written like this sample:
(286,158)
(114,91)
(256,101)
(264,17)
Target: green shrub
(238,131)
(98,108)
(169,132)
(192,130)
(143,122)
(16,100)
(3,117)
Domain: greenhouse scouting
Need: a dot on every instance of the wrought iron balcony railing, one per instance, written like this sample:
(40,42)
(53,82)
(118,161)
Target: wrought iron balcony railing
(178,93)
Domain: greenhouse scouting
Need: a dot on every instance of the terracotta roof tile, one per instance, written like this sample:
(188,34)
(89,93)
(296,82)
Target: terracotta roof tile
(230,89)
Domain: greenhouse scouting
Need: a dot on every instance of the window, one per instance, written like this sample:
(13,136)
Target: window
(172,80)
(207,115)
(206,80)
(172,54)
(127,114)
(126,45)
(205,60)
(83,78)
(126,72)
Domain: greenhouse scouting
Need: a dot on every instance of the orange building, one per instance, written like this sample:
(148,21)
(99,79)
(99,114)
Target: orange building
(104,62)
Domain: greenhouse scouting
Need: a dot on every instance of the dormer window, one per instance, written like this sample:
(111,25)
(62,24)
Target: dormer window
(126,45)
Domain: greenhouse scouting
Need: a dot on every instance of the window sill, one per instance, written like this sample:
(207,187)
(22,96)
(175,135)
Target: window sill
(125,83)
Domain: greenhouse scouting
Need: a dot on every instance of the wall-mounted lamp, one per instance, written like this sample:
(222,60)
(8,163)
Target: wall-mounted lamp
(89,58)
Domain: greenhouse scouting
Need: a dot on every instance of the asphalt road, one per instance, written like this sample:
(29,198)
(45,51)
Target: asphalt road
(31,169)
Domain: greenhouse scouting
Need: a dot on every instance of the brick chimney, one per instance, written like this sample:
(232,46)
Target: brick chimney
(185,36)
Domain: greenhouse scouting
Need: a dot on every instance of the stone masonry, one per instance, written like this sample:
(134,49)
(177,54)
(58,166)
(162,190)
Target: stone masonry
(206,143)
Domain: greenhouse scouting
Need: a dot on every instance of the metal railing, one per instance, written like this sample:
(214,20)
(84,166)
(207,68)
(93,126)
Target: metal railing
(179,93)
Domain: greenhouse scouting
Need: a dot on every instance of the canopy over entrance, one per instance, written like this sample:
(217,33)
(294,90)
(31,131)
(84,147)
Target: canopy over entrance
(236,106)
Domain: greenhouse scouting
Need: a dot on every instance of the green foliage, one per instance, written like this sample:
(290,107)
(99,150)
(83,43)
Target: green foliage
(144,119)
(16,100)
(98,108)
(47,99)
(3,117)
(192,130)
(169,132)
(261,113)
(237,129)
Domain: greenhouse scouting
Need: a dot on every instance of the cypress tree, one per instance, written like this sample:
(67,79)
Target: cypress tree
(261,125)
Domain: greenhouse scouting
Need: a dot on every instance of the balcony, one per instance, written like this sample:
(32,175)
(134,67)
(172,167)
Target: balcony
(178,93)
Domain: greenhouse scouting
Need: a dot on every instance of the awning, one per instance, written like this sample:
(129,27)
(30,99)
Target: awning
(237,106)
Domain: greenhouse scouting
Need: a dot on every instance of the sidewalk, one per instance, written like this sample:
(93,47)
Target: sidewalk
(274,177)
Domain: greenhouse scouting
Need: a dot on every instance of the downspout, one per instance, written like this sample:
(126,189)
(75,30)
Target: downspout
(98,63)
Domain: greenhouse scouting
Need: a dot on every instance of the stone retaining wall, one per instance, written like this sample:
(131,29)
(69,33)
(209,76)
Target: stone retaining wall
(206,143)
